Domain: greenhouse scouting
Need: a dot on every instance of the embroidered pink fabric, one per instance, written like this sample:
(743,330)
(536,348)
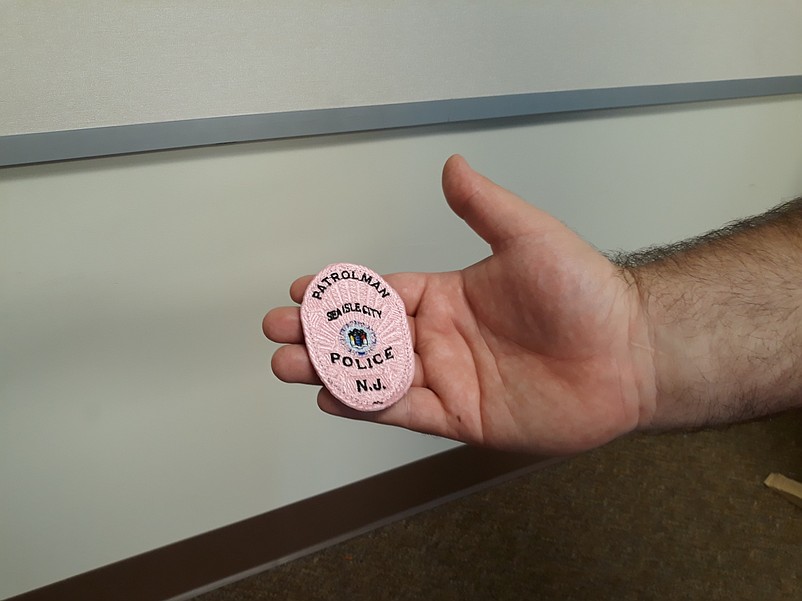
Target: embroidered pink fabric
(357,335)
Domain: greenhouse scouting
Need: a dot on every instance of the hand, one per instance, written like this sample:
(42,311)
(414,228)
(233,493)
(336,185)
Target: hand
(542,347)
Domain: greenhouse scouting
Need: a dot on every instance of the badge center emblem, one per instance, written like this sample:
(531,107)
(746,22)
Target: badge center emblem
(358,338)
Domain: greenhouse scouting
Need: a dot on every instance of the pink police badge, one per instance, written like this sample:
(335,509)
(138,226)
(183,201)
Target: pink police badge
(357,336)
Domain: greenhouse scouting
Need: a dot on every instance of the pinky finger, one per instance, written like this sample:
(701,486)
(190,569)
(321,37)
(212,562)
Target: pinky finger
(291,364)
(419,410)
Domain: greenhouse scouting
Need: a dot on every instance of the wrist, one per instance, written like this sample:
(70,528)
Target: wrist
(678,352)
(642,349)
(721,317)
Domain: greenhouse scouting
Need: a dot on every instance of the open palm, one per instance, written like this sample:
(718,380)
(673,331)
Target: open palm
(542,347)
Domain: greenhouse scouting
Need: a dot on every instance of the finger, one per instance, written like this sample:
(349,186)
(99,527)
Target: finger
(298,287)
(291,364)
(410,287)
(283,324)
(418,379)
(496,214)
(329,404)
(411,324)
(419,410)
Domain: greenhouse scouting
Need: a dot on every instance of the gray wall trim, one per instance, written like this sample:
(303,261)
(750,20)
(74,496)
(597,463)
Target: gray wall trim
(103,141)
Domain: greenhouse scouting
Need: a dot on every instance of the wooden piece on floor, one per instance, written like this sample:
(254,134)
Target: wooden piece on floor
(790,489)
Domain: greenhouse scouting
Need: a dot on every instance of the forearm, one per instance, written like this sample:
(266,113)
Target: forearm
(724,321)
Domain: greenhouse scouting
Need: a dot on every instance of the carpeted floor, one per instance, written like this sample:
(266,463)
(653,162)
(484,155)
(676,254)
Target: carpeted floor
(676,516)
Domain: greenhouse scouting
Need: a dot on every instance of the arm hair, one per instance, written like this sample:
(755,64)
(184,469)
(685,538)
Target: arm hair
(725,313)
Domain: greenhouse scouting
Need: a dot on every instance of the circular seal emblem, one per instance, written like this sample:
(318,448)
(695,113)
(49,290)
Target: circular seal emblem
(358,337)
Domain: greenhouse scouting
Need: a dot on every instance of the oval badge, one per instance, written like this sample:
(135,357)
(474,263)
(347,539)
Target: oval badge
(357,336)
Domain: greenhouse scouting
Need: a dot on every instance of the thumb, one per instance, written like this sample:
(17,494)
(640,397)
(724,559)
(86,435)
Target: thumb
(496,214)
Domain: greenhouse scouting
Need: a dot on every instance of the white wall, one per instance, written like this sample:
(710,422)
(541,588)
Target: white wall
(91,63)
(136,403)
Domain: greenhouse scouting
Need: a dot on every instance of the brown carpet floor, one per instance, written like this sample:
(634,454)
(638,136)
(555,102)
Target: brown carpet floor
(674,516)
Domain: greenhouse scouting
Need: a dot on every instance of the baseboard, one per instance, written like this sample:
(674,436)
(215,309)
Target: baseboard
(210,560)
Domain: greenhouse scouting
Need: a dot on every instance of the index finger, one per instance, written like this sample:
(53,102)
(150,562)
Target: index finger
(410,287)
(299,286)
